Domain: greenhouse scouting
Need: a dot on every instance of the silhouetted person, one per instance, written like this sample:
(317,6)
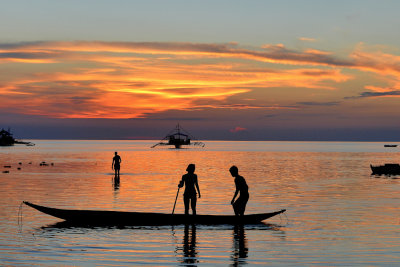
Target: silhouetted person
(191,184)
(116,164)
(239,206)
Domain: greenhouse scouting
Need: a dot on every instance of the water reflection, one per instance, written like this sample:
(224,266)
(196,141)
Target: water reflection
(189,253)
(80,176)
(115,183)
(240,248)
(187,248)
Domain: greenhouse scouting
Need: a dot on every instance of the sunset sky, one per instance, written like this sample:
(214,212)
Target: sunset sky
(235,70)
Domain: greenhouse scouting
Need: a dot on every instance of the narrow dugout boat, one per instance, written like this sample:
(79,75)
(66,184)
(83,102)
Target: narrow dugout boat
(99,217)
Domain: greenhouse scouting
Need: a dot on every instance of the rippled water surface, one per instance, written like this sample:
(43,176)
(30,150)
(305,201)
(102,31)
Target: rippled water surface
(337,213)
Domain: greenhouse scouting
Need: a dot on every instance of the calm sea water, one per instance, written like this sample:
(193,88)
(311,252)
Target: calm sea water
(337,213)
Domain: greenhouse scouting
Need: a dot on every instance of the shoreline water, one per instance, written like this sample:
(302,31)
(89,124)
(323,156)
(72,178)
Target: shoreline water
(337,213)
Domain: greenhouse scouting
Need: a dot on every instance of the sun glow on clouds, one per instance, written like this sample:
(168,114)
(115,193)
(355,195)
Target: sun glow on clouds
(131,80)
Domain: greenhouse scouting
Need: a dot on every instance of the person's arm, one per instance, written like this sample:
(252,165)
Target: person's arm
(112,165)
(233,199)
(197,186)
(181,182)
(236,192)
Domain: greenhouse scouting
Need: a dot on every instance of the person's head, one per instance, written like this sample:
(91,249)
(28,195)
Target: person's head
(116,152)
(190,168)
(234,171)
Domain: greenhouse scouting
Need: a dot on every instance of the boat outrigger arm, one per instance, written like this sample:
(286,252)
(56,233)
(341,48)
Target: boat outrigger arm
(178,137)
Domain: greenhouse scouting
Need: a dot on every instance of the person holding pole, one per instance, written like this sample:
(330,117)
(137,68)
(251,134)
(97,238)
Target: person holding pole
(191,184)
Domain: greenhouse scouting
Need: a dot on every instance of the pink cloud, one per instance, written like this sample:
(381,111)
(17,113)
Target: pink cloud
(237,129)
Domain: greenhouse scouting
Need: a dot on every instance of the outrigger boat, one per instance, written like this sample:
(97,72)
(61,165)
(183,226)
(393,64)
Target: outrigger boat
(124,218)
(7,139)
(178,137)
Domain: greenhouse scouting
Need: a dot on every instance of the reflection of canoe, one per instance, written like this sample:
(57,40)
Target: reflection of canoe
(98,217)
(388,169)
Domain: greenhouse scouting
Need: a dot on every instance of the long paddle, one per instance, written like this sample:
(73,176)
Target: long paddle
(177,193)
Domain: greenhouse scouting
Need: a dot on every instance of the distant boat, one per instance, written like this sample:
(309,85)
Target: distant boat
(110,218)
(7,139)
(178,137)
(390,145)
(387,169)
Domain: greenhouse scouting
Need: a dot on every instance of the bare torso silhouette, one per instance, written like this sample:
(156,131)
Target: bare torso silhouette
(189,179)
(191,184)
(239,206)
(116,164)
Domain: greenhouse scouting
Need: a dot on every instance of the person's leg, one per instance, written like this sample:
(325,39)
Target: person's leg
(193,204)
(186,202)
(235,207)
(241,209)
(242,205)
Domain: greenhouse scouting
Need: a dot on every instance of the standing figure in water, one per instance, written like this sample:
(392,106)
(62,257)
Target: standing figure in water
(116,164)
(189,196)
(239,206)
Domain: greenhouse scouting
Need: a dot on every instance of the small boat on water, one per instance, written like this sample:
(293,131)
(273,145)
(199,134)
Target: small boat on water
(387,169)
(108,218)
(390,145)
(7,139)
(178,137)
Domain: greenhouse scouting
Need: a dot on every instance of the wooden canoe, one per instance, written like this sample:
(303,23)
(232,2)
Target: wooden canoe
(100,217)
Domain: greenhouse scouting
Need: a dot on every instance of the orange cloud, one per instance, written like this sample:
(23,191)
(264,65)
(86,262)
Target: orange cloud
(386,66)
(131,80)
(307,39)
(375,61)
